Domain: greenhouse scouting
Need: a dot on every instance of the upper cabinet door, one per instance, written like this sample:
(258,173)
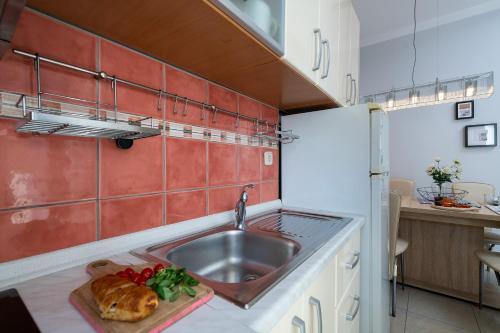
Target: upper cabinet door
(331,59)
(303,36)
(344,76)
(354,53)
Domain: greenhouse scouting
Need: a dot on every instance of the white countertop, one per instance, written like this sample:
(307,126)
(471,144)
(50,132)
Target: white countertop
(47,297)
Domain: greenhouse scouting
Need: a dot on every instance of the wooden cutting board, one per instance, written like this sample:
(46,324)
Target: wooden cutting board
(165,315)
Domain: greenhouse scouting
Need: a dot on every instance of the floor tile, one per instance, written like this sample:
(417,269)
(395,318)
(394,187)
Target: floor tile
(398,322)
(445,309)
(402,297)
(416,323)
(488,319)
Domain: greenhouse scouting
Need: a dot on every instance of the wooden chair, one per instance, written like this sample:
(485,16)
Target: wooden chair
(476,192)
(492,260)
(402,186)
(397,247)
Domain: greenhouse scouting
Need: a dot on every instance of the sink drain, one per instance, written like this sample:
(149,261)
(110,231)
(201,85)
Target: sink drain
(250,277)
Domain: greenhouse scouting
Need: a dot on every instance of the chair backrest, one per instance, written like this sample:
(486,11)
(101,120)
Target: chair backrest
(402,186)
(394,208)
(475,191)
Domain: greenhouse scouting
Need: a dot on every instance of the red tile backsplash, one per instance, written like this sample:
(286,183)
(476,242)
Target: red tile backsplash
(129,65)
(39,34)
(186,163)
(224,99)
(131,171)
(182,206)
(31,231)
(51,186)
(269,191)
(222,199)
(36,170)
(183,84)
(130,214)
(249,164)
(222,167)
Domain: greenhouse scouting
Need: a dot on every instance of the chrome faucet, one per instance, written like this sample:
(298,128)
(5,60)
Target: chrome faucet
(241,208)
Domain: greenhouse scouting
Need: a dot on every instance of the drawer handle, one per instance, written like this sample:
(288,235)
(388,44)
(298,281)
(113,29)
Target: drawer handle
(297,322)
(354,262)
(319,315)
(351,316)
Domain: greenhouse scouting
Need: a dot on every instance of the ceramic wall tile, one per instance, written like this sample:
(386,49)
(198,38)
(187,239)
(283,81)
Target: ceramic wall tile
(224,99)
(249,164)
(186,85)
(39,34)
(270,172)
(130,214)
(186,163)
(222,199)
(269,191)
(31,231)
(182,206)
(129,65)
(131,171)
(222,164)
(42,169)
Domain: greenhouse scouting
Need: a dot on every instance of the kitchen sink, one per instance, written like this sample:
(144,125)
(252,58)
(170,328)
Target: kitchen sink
(242,266)
(234,256)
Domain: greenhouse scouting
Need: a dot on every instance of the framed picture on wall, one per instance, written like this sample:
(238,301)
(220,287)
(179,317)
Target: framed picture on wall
(464,110)
(484,135)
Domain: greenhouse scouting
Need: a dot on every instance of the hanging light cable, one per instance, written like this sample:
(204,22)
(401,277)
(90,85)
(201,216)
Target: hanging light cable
(437,92)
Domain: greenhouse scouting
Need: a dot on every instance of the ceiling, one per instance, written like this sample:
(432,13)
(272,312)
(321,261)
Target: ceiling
(382,20)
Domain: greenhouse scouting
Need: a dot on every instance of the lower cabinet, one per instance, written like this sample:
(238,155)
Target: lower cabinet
(332,302)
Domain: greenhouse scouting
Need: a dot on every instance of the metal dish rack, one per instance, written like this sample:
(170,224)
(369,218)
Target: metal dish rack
(43,119)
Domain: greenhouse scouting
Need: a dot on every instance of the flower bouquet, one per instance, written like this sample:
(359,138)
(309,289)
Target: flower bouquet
(440,176)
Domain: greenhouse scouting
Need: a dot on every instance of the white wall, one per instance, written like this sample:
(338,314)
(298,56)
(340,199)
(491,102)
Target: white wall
(418,135)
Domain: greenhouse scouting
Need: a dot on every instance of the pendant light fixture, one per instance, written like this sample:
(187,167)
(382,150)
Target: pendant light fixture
(438,92)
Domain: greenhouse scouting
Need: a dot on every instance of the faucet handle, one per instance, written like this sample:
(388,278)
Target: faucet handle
(248,186)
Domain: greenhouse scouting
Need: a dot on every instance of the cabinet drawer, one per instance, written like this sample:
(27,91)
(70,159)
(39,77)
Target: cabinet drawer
(348,262)
(347,315)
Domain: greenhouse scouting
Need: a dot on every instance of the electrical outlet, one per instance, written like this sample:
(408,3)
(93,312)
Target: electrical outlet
(268,158)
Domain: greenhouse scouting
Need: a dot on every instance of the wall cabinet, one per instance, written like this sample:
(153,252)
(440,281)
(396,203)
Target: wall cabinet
(332,302)
(322,42)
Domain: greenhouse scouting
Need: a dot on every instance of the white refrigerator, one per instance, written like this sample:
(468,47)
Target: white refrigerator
(341,164)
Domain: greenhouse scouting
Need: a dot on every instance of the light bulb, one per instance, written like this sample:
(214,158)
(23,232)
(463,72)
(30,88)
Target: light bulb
(390,100)
(441,92)
(470,87)
(414,96)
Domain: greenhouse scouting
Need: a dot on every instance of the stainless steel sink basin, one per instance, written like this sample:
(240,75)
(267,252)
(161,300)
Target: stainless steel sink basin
(234,256)
(243,265)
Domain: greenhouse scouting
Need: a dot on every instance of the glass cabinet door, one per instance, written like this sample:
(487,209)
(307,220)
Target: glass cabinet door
(263,18)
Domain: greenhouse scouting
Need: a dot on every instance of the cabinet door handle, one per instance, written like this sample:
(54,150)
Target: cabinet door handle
(297,322)
(326,69)
(351,316)
(319,315)
(318,46)
(348,88)
(354,262)
(355,90)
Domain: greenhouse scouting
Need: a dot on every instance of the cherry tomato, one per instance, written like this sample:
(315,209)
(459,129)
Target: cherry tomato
(158,267)
(129,271)
(135,277)
(141,281)
(122,274)
(147,273)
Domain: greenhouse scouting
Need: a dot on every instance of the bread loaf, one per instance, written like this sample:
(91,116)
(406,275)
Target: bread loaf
(121,299)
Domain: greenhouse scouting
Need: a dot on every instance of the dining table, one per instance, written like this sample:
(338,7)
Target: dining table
(441,252)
